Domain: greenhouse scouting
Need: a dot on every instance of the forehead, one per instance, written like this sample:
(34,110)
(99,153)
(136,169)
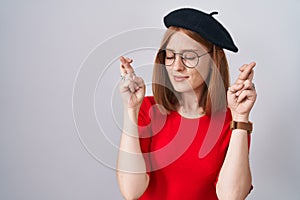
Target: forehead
(180,41)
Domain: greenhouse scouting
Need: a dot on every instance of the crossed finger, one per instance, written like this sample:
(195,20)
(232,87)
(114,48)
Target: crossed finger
(235,88)
(247,72)
(125,67)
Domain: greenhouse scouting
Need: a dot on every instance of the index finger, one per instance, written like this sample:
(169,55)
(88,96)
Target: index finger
(125,66)
(246,72)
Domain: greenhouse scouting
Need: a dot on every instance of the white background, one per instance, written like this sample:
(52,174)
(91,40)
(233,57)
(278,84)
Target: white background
(42,47)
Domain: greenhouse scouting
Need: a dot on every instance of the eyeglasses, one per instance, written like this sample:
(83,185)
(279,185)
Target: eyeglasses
(188,57)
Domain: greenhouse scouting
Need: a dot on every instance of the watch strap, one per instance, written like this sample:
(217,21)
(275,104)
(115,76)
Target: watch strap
(248,126)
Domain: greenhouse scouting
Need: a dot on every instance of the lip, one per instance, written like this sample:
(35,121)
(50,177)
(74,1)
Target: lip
(180,78)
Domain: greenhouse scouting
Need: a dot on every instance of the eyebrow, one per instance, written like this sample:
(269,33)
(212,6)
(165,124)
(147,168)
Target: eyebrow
(182,50)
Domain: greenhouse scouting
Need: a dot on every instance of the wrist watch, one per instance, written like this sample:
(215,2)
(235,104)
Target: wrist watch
(248,126)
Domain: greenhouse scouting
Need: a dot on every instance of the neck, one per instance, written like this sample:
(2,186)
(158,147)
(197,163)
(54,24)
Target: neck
(189,104)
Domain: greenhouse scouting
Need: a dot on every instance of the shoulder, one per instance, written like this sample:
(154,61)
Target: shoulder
(151,110)
(221,117)
(147,103)
(145,108)
(149,100)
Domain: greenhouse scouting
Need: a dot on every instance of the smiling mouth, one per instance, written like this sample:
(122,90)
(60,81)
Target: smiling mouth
(180,78)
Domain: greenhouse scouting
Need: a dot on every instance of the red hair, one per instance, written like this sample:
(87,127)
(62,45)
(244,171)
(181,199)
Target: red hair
(213,97)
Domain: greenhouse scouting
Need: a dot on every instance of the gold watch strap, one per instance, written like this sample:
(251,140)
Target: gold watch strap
(242,125)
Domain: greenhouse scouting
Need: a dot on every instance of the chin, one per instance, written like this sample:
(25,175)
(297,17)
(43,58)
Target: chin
(182,88)
(186,87)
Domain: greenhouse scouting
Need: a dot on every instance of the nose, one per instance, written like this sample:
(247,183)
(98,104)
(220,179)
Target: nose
(178,64)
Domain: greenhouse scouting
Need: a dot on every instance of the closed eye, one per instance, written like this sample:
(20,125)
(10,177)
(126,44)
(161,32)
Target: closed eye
(169,57)
(190,58)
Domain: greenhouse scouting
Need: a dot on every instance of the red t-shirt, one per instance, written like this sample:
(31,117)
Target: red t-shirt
(183,156)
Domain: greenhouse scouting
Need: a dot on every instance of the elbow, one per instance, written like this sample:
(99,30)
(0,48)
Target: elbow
(238,191)
(132,189)
(131,194)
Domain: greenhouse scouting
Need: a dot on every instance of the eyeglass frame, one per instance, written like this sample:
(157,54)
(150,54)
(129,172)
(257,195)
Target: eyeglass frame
(181,56)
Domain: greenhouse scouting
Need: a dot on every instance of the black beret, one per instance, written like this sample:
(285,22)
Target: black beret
(202,23)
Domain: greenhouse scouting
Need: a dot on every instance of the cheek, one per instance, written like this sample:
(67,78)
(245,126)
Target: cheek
(201,74)
(196,80)
(168,69)
(204,69)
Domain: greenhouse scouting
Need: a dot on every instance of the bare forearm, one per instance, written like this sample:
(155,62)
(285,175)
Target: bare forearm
(131,172)
(235,176)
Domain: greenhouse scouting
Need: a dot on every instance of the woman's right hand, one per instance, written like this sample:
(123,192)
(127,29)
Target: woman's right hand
(132,88)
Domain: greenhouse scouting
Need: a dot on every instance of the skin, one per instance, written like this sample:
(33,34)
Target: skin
(194,78)
(133,180)
(235,176)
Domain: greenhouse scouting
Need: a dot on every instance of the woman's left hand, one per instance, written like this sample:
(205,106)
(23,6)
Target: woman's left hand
(242,94)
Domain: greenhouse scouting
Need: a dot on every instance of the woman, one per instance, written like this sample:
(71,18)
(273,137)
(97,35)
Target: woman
(191,139)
